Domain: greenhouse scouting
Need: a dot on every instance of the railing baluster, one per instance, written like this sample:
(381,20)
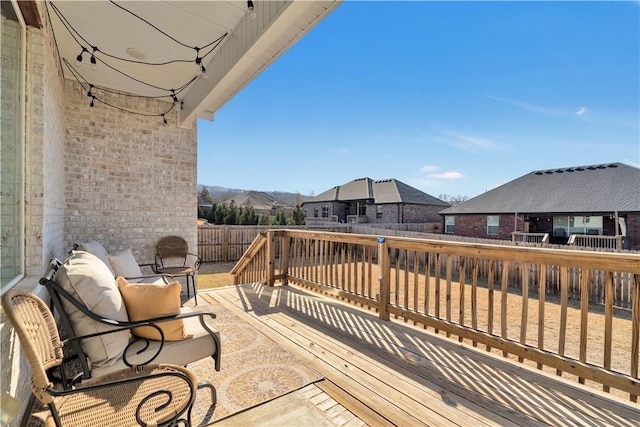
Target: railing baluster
(503,302)
(461,292)
(563,313)
(525,306)
(608,323)
(635,331)
(541,306)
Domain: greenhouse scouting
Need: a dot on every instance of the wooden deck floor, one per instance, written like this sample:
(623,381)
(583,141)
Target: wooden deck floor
(391,373)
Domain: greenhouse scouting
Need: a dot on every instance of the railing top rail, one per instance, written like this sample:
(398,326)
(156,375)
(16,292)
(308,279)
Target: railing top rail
(608,261)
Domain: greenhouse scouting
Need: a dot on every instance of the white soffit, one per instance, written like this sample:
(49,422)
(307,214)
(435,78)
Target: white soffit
(254,39)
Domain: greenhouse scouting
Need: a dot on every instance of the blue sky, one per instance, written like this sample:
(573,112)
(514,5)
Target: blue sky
(449,97)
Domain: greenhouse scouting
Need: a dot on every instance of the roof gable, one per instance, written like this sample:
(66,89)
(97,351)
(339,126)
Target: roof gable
(381,192)
(595,188)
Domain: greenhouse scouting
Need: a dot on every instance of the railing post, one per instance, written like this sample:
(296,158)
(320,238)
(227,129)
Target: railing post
(271,257)
(284,256)
(384,275)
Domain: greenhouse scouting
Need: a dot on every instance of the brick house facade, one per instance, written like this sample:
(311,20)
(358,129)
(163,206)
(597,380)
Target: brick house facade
(375,202)
(560,202)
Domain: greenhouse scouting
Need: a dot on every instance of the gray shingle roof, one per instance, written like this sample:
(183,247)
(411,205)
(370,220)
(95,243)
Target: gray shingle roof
(595,188)
(257,199)
(381,192)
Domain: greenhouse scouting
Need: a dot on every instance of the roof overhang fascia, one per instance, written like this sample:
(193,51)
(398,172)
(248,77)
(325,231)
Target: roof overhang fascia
(251,47)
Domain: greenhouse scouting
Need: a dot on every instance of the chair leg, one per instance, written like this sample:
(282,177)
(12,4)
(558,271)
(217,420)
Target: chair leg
(27,413)
(193,284)
(214,396)
(214,393)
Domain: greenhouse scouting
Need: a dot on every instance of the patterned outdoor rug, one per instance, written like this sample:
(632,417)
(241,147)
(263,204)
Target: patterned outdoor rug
(254,370)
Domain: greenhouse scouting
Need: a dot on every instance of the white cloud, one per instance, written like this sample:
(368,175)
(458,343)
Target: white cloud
(340,150)
(581,111)
(430,168)
(446,175)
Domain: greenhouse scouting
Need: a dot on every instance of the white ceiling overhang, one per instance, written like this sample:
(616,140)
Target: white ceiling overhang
(123,32)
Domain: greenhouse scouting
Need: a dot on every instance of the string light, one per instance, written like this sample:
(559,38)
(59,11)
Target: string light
(94,97)
(249,5)
(86,46)
(79,57)
(82,42)
(93,57)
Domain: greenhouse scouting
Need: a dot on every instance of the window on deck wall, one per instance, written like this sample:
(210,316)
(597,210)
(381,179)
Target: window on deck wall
(379,211)
(325,211)
(11,146)
(493,225)
(450,224)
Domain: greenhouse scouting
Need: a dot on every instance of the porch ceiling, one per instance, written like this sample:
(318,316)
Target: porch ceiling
(249,42)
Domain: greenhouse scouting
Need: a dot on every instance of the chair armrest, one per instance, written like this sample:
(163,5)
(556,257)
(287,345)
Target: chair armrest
(166,278)
(196,260)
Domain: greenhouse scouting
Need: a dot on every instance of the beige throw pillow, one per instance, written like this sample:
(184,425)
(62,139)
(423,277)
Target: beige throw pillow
(124,264)
(147,301)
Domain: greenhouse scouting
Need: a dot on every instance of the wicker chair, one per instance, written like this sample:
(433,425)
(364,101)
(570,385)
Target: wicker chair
(173,258)
(153,394)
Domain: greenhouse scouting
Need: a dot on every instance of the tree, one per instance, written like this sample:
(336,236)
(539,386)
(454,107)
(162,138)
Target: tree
(231,215)
(298,216)
(248,216)
(453,200)
(212,213)
(220,213)
(280,219)
(204,195)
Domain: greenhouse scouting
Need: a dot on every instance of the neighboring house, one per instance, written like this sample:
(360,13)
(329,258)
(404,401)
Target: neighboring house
(262,203)
(364,200)
(561,202)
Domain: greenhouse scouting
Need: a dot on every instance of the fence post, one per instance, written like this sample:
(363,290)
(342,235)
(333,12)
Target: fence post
(284,256)
(384,275)
(271,257)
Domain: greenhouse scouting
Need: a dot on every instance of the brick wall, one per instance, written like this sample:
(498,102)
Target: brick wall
(129,179)
(633,232)
(476,226)
(44,190)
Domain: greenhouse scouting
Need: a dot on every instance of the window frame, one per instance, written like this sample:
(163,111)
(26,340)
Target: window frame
(22,87)
(452,224)
(491,226)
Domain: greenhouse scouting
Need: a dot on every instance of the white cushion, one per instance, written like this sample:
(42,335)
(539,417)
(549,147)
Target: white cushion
(177,352)
(89,280)
(98,250)
(124,264)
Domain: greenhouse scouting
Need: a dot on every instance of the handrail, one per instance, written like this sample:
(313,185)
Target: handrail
(483,293)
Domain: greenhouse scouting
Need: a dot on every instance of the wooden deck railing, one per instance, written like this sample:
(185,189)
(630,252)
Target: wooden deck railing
(467,291)
(591,241)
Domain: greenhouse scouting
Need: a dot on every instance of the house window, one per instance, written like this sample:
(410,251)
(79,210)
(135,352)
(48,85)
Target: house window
(12,146)
(362,210)
(325,211)
(379,211)
(315,212)
(493,225)
(450,224)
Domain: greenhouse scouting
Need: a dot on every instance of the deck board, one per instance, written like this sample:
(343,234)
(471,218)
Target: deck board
(403,375)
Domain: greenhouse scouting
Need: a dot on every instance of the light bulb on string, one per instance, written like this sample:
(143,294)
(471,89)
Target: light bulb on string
(92,103)
(164,119)
(79,57)
(173,95)
(89,91)
(93,58)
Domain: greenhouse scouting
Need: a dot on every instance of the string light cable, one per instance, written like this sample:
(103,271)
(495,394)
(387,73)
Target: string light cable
(89,88)
(198,60)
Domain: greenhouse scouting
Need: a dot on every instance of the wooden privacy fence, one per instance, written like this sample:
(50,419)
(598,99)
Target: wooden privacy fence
(227,243)
(497,296)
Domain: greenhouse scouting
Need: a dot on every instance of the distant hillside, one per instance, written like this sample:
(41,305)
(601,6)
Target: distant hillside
(222,193)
